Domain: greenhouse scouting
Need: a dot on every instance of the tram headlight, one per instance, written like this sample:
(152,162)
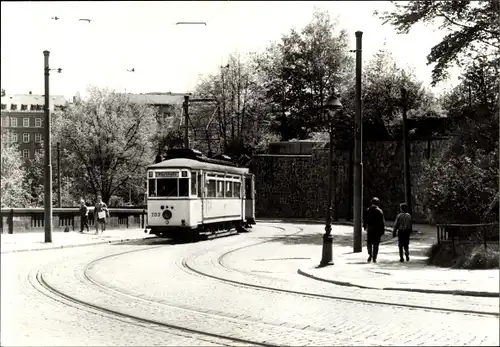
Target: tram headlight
(167,214)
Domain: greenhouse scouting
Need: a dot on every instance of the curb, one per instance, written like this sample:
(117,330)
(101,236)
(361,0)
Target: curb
(69,246)
(418,290)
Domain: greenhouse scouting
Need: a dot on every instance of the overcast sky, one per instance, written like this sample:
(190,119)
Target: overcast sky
(166,57)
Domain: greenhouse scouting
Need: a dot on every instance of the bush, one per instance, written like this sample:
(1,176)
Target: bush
(461,188)
(466,256)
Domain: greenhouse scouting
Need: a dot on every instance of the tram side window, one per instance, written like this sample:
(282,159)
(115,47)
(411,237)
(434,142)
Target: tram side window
(211,188)
(152,187)
(166,187)
(220,189)
(183,186)
(237,189)
(194,183)
(199,185)
(229,189)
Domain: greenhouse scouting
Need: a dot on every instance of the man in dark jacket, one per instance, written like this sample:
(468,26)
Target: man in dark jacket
(374,224)
(84,216)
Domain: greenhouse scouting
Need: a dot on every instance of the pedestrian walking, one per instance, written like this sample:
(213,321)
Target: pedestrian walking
(374,224)
(402,228)
(100,213)
(84,216)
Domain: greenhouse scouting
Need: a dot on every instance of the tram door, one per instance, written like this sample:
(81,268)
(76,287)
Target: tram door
(250,199)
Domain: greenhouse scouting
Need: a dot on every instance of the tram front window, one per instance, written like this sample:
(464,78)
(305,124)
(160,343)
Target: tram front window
(152,187)
(166,187)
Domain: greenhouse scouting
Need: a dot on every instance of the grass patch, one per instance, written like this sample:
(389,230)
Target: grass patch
(466,256)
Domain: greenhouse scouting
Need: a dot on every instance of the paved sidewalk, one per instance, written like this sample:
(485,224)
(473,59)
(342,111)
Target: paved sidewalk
(34,241)
(352,269)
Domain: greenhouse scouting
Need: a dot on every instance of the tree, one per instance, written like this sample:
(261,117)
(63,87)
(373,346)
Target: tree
(235,123)
(301,71)
(12,176)
(472,26)
(460,184)
(106,141)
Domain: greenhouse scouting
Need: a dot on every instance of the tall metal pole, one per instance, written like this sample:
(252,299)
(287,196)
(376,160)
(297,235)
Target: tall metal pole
(350,186)
(186,121)
(47,157)
(58,175)
(406,144)
(327,254)
(358,152)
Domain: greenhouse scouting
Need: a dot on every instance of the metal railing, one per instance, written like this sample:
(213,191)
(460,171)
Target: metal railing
(32,219)
(467,234)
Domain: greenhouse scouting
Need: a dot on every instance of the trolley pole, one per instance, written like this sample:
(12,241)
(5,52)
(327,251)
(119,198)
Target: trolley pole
(47,156)
(358,151)
(186,121)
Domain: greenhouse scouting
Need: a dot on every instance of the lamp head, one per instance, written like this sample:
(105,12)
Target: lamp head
(333,103)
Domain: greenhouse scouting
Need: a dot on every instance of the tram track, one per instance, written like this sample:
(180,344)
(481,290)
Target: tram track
(220,261)
(38,281)
(186,264)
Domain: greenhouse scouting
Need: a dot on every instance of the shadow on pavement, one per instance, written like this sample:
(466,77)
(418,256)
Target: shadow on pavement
(153,241)
(390,264)
(345,240)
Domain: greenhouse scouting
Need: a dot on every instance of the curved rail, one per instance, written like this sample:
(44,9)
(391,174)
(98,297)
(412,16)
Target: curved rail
(133,320)
(261,287)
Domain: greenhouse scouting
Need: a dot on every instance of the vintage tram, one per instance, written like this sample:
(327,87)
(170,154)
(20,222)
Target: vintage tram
(190,195)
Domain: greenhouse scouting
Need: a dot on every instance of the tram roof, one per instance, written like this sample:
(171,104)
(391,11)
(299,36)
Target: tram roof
(198,165)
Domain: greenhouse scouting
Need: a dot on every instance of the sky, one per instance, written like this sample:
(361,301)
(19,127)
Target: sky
(168,57)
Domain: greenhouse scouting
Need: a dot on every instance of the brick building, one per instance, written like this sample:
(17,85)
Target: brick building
(23,118)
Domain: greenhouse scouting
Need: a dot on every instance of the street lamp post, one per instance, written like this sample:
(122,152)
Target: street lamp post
(47,156)
(332,105)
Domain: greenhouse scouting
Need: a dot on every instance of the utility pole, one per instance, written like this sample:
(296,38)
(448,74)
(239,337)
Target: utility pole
(358,151)
(47,156)
(58,175)
(186,121)
(406,144)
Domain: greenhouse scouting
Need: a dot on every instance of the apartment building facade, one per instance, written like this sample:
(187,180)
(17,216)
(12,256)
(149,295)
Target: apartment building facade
(22,120)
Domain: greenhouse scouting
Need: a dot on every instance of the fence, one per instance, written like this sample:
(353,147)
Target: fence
(467,234)
(33,219)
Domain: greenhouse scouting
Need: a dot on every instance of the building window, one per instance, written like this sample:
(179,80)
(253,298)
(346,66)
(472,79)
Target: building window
(13,122)
(13,107)
(24,107)
(26,137)
(38,122)
(26,153)
(26,122)
(5,121)
(38,137)
(4,106)
(14,137)
(38,151)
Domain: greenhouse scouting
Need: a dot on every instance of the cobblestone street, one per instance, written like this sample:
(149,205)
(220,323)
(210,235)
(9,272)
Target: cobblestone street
(238,290)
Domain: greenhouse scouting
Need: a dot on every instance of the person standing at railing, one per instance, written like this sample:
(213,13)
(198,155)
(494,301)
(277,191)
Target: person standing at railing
(100,212)
(402,227)
(84,216)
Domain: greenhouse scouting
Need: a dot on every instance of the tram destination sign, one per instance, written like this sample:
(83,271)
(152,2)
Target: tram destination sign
(163,174)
